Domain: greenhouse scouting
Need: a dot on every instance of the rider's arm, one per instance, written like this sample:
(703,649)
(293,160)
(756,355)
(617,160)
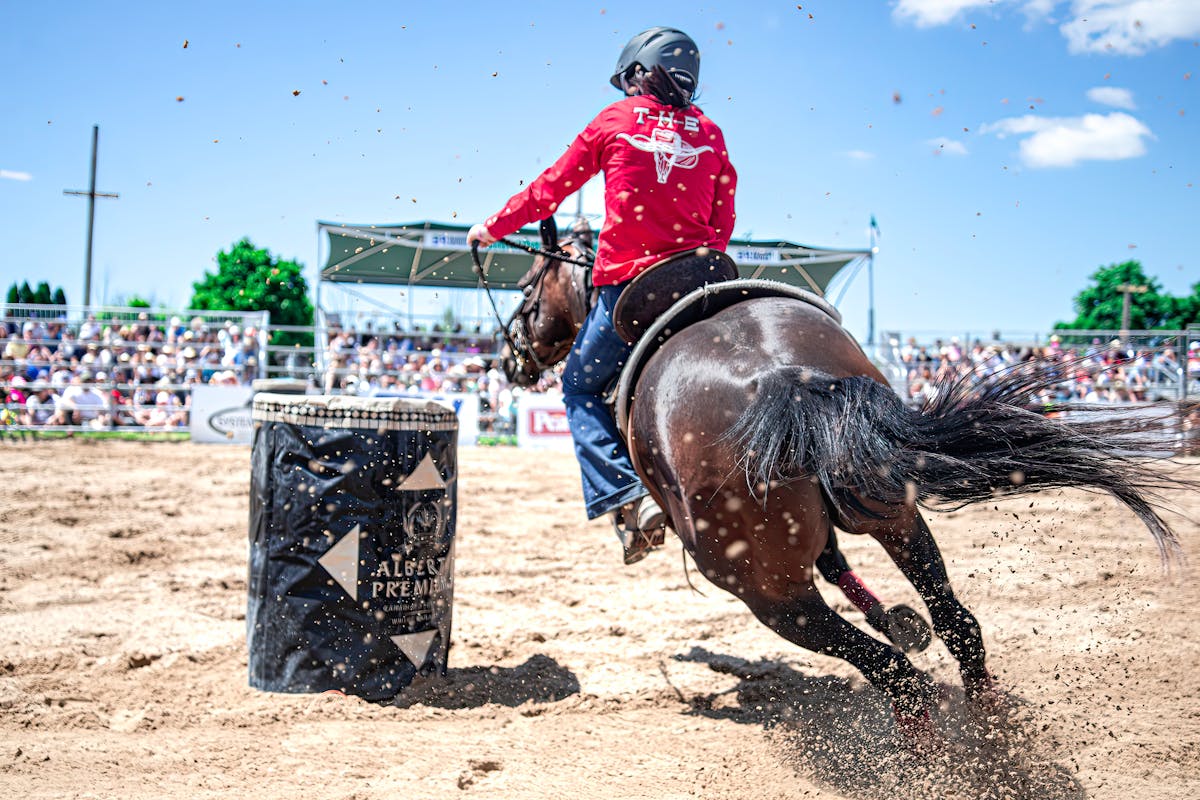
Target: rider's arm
(563,178)
(722,218)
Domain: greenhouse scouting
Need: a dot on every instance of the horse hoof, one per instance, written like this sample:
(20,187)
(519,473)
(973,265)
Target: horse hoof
(981,688)
(987,702)
(916,731)
(907,629)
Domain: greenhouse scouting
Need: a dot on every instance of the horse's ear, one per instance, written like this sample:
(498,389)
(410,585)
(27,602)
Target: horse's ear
(549,230)
(582,231)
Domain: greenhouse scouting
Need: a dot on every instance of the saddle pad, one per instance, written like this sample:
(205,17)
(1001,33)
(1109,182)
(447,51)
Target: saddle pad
(695,306)
(654,291)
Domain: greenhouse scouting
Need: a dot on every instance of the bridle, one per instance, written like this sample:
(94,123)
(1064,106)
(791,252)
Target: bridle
(513,331)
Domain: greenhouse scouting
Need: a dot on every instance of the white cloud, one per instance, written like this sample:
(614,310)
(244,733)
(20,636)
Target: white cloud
(1112,96)
(859,155)
(1066,141)
(927,13)
(1039,9)
(949,147)
(1129,27)
(15,176)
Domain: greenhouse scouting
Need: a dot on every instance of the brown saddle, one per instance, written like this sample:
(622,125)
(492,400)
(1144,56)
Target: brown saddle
(664,284)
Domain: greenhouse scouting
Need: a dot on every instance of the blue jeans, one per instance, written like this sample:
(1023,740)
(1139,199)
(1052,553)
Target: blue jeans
(596,358)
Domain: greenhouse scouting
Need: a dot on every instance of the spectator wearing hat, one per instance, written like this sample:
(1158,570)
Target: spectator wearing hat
(38,358)
(17,347)
(15,393)
(175,330)
(68,345)
(41,406)
(90,329)
(165,413)
(60,377)
(81,404)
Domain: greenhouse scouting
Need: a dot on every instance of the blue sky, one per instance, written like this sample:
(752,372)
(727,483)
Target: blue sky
(1007,148)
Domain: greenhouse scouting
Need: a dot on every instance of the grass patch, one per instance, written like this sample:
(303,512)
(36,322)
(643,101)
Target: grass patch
(119,435)
(492,440)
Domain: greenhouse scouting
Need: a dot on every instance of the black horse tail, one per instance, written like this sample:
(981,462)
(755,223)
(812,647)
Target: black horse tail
(972,442)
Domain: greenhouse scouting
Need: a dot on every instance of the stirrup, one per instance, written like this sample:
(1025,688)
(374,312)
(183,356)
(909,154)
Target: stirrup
(650,515)
(640,526)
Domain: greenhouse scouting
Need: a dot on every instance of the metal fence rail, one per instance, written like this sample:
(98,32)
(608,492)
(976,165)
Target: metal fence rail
(1139,365)
(119,367)
(134,357)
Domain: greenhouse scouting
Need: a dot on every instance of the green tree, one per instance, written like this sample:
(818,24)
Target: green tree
(136,301)
(1185,310)
(60,297)
(251,279)
(14,295)
(1099,306)
(42,294)
(25,294)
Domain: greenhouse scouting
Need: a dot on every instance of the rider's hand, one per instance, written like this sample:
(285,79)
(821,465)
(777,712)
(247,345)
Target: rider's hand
(480,233)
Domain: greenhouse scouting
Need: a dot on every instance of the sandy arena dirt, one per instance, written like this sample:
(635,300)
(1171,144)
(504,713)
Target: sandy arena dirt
(123,663)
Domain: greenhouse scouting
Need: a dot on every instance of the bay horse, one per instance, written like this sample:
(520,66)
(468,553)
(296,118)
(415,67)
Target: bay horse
(763,427)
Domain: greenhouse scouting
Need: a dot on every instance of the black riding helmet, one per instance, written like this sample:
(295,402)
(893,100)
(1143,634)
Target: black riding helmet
(669,48)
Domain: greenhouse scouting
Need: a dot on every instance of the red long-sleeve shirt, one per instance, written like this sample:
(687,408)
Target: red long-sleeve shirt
(668,185)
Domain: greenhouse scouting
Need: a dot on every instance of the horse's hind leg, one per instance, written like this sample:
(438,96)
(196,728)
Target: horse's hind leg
(916,554)
(904,627)
(804,619)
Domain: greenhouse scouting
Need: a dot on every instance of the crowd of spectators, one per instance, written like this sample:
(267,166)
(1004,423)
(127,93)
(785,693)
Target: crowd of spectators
(1103,371)
(439,361)
(111,372)
(139,370)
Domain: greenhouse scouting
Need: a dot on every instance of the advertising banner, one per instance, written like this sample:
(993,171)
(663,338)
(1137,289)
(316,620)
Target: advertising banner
(221,414)
(542,422)
(465,406)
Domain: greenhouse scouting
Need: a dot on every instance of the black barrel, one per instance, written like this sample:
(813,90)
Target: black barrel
(352,513)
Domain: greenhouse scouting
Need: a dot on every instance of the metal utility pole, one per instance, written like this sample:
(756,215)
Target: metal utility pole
(874,230)
(91,195)
(1127,289)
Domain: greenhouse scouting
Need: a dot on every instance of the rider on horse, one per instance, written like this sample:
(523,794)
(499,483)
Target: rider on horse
(669,188)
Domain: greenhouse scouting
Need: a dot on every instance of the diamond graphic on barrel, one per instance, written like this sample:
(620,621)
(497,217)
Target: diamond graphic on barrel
(341,562)
(415,646)
(425,476)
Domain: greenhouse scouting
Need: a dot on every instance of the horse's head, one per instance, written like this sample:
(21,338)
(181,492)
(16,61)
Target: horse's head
(542,329)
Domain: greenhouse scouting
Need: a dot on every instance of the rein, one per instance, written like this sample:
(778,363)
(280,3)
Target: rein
(537,251)
(521,354)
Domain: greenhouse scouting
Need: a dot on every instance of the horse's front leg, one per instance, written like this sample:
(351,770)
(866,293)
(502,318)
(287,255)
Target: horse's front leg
(913,549)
